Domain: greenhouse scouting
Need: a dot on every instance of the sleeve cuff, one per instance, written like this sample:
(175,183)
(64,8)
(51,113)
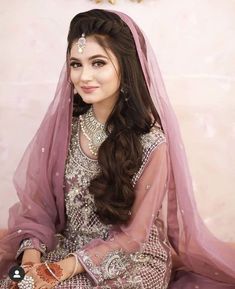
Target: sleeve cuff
(113,265)
(30,243)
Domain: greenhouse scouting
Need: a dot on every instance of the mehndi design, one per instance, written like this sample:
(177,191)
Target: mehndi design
(46,275)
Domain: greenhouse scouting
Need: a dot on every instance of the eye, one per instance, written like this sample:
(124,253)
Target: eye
(74,64)
(98,63)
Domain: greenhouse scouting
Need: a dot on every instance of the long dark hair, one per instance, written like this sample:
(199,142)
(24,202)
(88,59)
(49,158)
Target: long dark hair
(120,155)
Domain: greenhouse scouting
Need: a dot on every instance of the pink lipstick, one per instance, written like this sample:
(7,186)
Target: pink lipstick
(89,89)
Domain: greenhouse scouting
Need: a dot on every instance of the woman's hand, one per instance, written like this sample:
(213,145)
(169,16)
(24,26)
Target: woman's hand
(27,266)
(31,256)
(42,276)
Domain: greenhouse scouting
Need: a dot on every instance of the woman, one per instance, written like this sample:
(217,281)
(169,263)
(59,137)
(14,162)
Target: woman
(105,192)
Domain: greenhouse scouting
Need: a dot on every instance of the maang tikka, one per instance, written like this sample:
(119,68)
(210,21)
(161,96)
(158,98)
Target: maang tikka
(81,43)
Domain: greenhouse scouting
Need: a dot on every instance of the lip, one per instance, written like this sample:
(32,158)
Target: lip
(89,89)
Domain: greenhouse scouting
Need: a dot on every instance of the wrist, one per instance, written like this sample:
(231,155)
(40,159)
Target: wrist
(31,255)
(67,266)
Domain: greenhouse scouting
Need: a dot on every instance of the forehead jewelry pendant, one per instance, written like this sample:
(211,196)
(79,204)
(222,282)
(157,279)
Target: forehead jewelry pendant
(81,43)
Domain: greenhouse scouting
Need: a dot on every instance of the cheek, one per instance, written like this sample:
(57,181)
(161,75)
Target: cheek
(108,77)
(74,76)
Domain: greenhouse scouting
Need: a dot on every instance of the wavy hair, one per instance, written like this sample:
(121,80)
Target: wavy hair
(120,155)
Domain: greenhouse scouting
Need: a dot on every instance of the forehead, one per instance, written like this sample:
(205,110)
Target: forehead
(92,47)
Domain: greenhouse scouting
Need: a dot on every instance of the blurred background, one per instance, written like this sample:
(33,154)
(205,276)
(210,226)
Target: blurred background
(194,41)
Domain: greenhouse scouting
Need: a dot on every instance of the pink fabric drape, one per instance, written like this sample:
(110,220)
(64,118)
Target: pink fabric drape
(3,232)
(39,180)
(197,248)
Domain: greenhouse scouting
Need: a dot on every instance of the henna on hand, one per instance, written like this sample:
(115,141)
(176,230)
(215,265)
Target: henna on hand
(27,266)
(44,274)
(13,285)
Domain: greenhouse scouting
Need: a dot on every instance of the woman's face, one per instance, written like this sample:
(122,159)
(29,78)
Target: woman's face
(94,67)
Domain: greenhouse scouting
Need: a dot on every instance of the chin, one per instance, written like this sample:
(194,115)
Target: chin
(87,100)
(91,100)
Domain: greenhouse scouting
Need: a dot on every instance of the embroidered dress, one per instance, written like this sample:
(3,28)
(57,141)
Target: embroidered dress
(109,262)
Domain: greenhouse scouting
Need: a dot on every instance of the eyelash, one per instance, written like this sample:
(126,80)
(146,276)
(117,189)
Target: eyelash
(97,61)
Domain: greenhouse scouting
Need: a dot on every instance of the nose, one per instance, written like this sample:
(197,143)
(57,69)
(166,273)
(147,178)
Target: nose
(86,74)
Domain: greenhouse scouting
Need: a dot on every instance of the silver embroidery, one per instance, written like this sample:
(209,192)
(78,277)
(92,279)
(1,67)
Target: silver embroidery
(83,225)
(85,258)
(148,268)
(149,142)
(114,264)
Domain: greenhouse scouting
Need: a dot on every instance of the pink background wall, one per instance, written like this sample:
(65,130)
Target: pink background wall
(195,47)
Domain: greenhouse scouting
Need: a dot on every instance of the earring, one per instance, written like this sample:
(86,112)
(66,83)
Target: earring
(124,92)
(75,91)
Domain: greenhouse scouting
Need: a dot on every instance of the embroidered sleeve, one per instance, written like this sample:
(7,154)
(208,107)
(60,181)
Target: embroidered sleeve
(30,243)
(111,258)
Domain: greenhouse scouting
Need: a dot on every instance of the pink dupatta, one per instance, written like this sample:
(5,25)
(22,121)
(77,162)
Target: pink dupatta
(197,248)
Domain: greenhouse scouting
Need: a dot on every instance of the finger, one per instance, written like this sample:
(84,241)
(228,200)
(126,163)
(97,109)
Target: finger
(27,265)
(40,286)
(37,286)
(26,269)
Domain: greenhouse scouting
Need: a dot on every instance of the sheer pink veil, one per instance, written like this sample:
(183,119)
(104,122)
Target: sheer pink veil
(39,178)
(39,181)
(197,248)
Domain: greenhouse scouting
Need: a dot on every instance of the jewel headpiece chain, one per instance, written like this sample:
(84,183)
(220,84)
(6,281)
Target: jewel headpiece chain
(81,43)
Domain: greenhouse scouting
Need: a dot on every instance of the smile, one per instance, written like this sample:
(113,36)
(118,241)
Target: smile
(89,89)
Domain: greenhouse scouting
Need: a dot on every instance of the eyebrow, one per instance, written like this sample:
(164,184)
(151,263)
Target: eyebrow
(90,58)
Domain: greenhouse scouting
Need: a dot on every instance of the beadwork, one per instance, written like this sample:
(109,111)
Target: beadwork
(148,268)
(26,283)
(93,130)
